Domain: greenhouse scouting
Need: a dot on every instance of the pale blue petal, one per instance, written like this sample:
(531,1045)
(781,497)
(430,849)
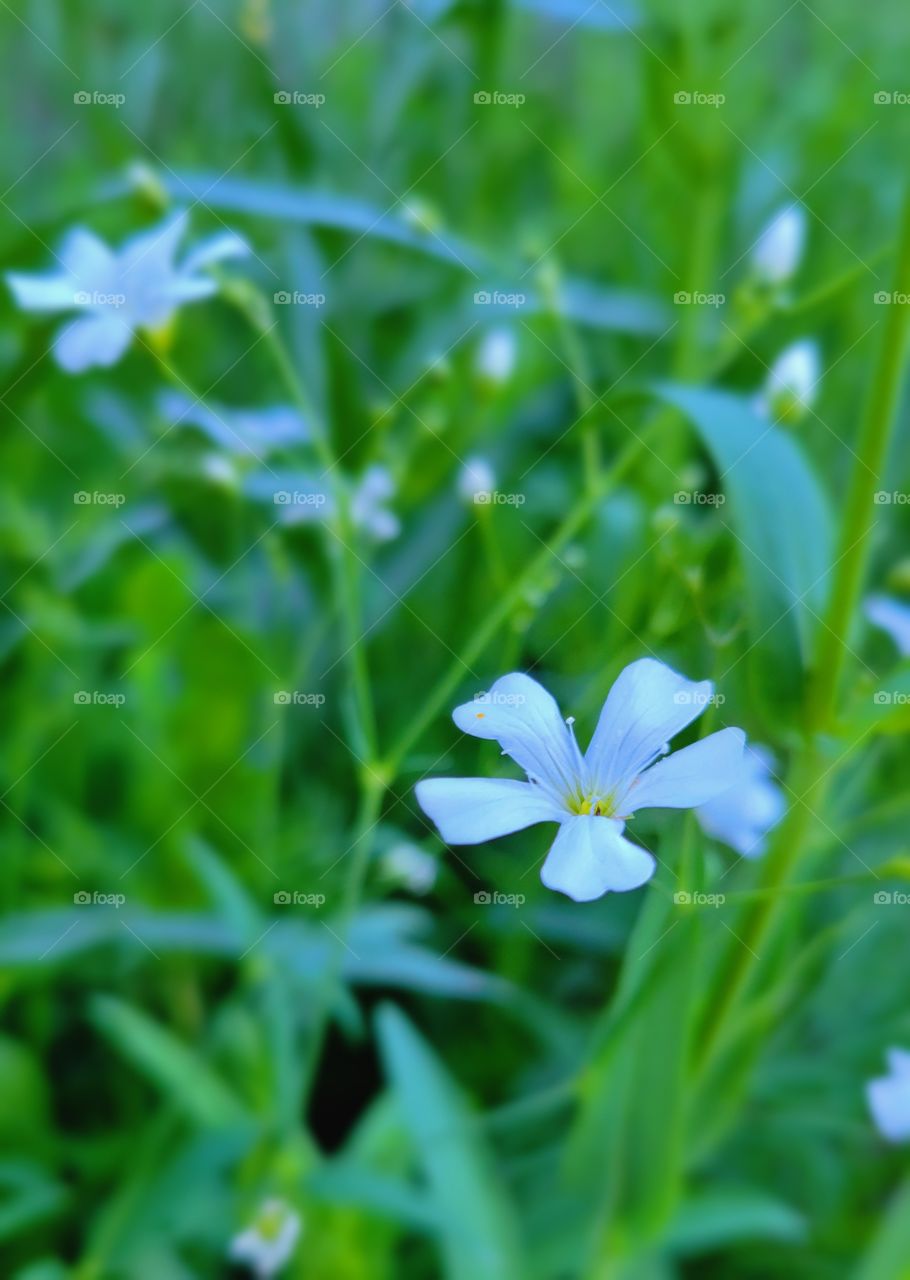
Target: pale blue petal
(898,1062)
(42,292)
(88,260)
(97,339)
(471,810)
(648,705)
(524,719)
(742,816)
(147,273)
(590,856)
(217,248)
(689,777)
(894,618)
(889,1102)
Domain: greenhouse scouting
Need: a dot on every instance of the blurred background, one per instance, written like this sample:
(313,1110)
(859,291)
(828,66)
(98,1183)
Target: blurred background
(258,1019)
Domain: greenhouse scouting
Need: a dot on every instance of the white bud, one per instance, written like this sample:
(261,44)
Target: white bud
(779,248)
(790,388)
(496,356)
(407,865)
(269,1242)
(476,476)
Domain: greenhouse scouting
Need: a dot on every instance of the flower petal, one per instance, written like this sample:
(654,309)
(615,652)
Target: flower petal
(889,1102)
(691,776)
(590,856)
(648,705)
(742,816)
(217,248)
(524,719)
(471,810)
(99,338)
(42,292)
(88,260)
(891,615)
(898,1062)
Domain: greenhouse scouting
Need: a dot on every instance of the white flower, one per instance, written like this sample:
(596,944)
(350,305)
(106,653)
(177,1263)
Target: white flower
(790,388)
(410,867)
(268,1244)
(475,477)
(497,355)
(589,796)
(743,816)
(889,1098)
(779,248)
(368,504)
(116,292)
(894,618)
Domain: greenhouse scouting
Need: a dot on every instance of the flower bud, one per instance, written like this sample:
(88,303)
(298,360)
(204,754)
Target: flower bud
(779,248)
(475,477)
(496,356)
(790,388)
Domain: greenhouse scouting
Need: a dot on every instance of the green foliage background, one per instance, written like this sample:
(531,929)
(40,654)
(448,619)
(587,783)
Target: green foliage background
(442,1087)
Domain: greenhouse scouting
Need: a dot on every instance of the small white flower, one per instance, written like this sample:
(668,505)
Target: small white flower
(889,1098)
(268,1244)
(475,477)
(779,249)
(138,286)
(790,388)
(894,618)
(368,504)
(496,356)
(410,867)
(743,816)
(590,796)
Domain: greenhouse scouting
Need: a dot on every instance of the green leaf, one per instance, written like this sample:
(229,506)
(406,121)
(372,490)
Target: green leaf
(715,1219)
(888,1256)
(174,1068)
(780,518)
(478,1237)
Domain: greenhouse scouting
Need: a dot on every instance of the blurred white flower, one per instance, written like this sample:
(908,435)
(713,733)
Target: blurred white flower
(790,387)
(369,511)
(406,865)
(268,1244)
(139,286)
(742,816)
(894,618)
(889,1098)
(220,470)
(496,356)
(779,248)
(475,477)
